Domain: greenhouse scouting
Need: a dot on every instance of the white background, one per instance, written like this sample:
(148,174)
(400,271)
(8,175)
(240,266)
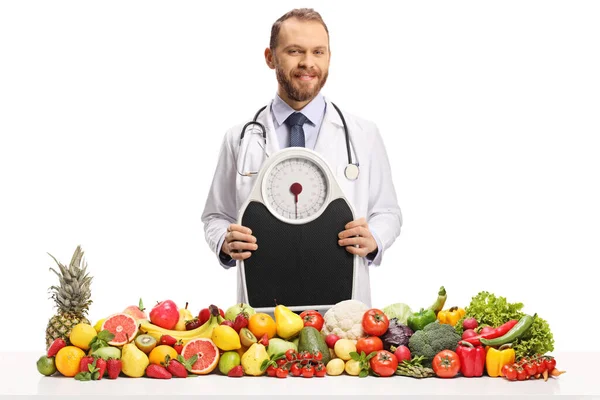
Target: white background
(112,114)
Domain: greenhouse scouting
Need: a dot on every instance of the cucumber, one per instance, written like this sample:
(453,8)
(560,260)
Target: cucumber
(311,340)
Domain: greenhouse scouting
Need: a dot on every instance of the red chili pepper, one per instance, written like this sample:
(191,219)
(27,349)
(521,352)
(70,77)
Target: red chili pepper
(497,332)
(472,359)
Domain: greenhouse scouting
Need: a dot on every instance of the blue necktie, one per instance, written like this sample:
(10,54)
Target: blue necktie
(295,122)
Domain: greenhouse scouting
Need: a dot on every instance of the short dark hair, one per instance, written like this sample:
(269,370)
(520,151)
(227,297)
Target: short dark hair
(303,14)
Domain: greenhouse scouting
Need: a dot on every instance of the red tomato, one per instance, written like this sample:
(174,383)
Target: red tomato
(509,372)
(281,362)
(320,370)
(282,372)
(531,369)
(540,365)
(550,363)
(312,318)
(384,363)
(369,345)
(375,322)
(446,364)
(317,356)
(296,369)
(305,356)
(522,374)
(308,371)
(291,354)
(271,370)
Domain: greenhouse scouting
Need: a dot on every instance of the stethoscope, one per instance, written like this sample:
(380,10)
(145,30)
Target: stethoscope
(351,171)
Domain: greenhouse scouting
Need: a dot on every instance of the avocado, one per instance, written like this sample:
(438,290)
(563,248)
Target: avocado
(312,340)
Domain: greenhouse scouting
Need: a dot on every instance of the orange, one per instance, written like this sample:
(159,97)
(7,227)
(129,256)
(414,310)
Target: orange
(261,323)
(67,360)
(159,353)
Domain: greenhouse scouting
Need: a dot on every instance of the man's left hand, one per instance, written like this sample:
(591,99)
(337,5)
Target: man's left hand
(358,238)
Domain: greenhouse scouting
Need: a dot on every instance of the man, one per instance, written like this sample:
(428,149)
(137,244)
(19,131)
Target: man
(299,53)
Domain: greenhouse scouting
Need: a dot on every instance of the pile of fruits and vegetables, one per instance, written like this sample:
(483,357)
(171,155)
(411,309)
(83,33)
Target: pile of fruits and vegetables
(489,337)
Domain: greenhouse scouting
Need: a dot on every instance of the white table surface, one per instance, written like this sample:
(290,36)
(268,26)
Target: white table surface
(19,376)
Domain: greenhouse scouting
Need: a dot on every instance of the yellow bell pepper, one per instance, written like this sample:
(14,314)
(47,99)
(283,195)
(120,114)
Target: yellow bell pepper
(451,316)
(495,359)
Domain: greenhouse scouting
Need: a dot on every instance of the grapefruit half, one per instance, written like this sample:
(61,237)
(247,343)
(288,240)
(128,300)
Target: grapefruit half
(123,326)
(208,355)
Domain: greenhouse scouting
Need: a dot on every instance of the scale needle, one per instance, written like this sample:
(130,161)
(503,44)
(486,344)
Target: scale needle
(296,189)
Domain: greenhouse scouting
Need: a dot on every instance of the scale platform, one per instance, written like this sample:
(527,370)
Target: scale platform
(298,262)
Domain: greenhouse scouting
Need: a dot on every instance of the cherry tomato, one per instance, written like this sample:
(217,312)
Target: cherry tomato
(522,374)
(531,369)
(281,362)
(282,372)
(296,369)
(540,365)
(317,356)
(375,322)
(509,372)
(369,345)
(312,318)
(446,364)
(308,371)
(271,370)
(291,355)
(384,363)
(550,363)
(306,357)
(320,370)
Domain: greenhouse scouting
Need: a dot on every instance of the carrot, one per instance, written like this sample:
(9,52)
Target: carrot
(545,373)
(556,372)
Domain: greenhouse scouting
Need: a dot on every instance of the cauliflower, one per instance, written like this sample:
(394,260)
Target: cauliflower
(345,320)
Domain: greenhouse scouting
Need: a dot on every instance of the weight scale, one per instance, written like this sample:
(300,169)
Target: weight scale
(296,210)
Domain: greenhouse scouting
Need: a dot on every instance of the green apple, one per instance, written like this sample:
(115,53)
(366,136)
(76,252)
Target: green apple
(107,352)
(234,310)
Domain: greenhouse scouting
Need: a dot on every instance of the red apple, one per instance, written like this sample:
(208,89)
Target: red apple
(228,323)
(205,315)
(331,339)
(165,314)
(402,353)
(264,340)
(136,312)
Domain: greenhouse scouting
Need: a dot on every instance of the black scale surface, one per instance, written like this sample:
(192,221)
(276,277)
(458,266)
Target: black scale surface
(298,265)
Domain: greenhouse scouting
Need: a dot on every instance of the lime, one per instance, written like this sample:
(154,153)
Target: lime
(228,360)
(46,366)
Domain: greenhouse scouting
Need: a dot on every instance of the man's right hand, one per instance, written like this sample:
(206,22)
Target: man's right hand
(239,242)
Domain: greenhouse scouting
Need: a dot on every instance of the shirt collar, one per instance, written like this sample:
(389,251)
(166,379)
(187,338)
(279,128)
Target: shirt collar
(314,110)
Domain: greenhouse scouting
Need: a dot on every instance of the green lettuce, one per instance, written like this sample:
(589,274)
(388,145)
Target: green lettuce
(492,310)
(399,311)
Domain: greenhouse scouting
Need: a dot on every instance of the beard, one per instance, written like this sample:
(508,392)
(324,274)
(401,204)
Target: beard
(298,91)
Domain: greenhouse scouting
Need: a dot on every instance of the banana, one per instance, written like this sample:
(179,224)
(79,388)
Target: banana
(204,331)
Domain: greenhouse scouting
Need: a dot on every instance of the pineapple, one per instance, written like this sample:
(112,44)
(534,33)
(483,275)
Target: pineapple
(72,298)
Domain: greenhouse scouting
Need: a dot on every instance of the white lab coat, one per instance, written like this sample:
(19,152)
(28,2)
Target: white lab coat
(372,195)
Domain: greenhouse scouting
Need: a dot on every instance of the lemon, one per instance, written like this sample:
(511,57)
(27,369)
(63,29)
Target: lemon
(98,326)
(226,338)
(81,335)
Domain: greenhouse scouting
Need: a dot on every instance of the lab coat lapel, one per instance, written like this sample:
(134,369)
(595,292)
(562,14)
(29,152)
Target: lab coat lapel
(266,119)
(331,137)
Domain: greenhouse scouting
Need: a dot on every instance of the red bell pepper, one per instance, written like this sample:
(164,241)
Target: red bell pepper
(496,332)
(472,359)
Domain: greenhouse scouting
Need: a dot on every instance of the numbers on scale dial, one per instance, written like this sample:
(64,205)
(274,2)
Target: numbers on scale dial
(296,188)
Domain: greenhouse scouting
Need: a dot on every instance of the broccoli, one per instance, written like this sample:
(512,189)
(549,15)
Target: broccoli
(432,339)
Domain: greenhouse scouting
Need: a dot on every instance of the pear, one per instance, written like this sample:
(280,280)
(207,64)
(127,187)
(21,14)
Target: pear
(134,361)
(253,358)
(288,323)
(184,315)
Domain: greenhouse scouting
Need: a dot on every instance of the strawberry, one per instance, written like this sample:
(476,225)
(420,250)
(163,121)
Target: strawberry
(177,369)
(241,321)
(168,340)
(178,346)
(264,340)
(58,344)
(84,362)
(158,372)
(101,365)
(113,367)
(236,372)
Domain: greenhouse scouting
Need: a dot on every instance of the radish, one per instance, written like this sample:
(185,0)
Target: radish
(402,353)
(470,323)
(331,339)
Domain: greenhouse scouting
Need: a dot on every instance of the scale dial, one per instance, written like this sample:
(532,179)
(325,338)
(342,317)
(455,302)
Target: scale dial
(296,189)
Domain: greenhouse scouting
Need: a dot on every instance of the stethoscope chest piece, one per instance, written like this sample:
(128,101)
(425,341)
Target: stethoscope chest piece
(351,172)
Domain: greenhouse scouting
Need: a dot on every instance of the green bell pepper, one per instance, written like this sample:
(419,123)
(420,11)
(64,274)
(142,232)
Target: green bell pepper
(419,319)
